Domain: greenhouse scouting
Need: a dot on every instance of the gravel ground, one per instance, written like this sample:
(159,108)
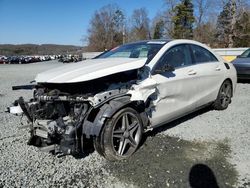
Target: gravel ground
(208,145)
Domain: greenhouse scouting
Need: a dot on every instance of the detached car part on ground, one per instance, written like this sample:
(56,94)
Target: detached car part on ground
(114,98)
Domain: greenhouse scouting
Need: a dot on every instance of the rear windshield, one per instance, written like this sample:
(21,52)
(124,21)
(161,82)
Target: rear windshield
(134,50)
(246,53)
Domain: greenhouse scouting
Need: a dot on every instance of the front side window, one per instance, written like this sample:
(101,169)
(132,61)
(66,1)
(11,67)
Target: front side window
(177,56)
(201,55)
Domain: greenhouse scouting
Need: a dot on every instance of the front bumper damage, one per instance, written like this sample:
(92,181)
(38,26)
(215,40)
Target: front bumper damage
(61,124)
(44,132)
(65,118)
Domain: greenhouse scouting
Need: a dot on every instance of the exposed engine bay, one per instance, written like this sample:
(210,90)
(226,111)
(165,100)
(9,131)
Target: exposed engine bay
(61,116)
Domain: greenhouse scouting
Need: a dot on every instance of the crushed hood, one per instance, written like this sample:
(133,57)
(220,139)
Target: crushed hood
(89,70)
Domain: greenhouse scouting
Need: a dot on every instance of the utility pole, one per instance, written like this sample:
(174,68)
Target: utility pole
(123,34)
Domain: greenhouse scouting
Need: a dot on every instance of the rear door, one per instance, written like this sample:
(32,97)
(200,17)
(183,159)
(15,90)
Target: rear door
(210,74)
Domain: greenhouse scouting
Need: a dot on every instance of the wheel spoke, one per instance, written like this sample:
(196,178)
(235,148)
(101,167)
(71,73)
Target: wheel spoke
(227,90)
(122,146)
(133,126)
(118,134)
(222,97)
(228,93)
(125,121)
(132,142)
(225,95)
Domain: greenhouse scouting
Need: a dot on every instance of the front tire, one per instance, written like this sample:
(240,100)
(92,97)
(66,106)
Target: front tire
(120,136)
(224,96)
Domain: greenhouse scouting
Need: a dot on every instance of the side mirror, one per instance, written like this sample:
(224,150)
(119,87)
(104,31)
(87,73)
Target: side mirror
(164,68)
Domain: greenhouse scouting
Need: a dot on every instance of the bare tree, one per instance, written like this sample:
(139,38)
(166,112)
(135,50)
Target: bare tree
(206,12)
(205,33)
(106,28)
(203,8)
(139,25)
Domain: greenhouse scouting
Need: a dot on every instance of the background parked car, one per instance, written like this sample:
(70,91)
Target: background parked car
(70,58)
(3,59)
(242,65)
(25,59)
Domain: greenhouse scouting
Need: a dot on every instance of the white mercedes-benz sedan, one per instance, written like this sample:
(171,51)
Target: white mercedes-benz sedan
(113,98)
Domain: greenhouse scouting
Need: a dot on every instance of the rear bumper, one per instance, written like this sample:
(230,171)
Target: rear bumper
(243,72)
(243,76)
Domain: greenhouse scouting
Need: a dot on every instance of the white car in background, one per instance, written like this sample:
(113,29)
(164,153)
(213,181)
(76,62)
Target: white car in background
(114,98)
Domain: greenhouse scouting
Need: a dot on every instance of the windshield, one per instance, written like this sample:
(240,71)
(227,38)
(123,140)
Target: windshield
(246,53)
(135,50)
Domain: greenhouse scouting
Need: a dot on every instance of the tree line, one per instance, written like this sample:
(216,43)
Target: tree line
(34,49)
(217,23)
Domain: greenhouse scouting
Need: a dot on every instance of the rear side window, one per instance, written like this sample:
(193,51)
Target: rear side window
(202,55)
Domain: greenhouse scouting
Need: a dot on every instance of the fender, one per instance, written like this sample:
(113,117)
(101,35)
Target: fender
(107,110)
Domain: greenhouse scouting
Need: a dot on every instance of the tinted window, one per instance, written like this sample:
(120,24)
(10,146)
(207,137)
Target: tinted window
(177,56)
(246,53)
(134,50)
(201,55)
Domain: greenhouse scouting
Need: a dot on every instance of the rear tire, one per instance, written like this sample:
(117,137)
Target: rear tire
(224,96)
(120,136)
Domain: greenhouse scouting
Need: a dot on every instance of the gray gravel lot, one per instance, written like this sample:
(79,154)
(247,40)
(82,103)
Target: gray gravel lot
(213,140)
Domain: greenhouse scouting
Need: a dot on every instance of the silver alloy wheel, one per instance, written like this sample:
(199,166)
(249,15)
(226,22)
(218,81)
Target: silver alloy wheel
(126,134)
(226,94)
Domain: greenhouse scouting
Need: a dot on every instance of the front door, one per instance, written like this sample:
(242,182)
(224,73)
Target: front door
(176,90)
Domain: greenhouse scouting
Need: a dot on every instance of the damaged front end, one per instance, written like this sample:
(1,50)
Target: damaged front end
(62,116)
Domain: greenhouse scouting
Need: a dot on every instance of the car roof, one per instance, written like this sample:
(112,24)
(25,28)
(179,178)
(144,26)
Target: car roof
(152,41)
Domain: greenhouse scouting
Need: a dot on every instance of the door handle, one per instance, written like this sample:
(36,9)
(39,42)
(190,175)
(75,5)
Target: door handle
(217,68)
(192,72)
